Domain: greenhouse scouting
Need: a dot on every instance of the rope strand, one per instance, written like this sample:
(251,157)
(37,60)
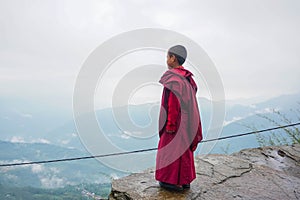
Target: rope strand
(142,150)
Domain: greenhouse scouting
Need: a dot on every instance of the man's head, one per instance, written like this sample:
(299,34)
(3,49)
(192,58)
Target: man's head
(176,56)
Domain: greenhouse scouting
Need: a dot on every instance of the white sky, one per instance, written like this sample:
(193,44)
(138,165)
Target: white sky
(254,44)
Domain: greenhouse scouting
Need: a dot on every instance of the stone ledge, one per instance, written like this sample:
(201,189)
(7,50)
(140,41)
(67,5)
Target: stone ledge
(259,173)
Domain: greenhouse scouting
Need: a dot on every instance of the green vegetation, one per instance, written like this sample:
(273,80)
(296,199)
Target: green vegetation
(82,192)
(82,179)
(289,135)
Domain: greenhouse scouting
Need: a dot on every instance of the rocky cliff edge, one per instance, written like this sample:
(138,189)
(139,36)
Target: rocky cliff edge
(260,173)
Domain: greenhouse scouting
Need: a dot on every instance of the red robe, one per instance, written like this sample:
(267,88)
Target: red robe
(179,115)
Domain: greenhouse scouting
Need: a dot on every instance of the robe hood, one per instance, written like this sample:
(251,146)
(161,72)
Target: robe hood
(173,74)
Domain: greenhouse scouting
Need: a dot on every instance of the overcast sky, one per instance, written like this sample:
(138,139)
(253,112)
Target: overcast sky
(254,44)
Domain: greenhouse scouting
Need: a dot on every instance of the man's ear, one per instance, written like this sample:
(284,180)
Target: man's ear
(173,58)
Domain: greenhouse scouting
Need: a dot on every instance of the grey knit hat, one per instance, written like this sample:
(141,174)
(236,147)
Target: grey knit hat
(180,51)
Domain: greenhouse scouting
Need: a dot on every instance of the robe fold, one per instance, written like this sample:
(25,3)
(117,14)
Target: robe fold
(180,128)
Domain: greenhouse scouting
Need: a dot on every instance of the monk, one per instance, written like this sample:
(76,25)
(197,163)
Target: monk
(180,128)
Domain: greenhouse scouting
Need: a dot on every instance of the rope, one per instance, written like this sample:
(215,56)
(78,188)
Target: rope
(143,150)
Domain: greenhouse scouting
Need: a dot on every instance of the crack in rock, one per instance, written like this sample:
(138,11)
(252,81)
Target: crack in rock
(233,176)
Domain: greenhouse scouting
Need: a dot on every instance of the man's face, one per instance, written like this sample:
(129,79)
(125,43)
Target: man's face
(170,61)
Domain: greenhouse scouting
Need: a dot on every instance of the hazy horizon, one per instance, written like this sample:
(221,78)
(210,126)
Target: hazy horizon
(254,45)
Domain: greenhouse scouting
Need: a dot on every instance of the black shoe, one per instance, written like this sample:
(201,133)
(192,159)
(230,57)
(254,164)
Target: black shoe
(186,186)
(171,187)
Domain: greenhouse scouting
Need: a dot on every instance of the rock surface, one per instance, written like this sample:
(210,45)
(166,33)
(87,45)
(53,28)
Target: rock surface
(261,173)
